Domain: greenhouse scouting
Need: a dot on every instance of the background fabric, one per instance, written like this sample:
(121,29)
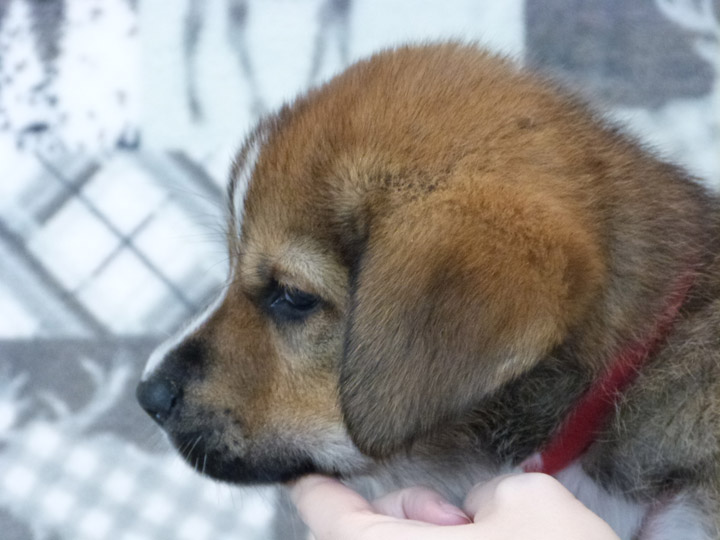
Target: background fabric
(118,121)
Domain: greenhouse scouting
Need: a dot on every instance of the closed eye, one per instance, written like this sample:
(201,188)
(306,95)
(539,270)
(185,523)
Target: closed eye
(290,304)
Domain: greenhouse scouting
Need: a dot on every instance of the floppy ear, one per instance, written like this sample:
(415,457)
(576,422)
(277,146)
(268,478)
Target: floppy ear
(453,297)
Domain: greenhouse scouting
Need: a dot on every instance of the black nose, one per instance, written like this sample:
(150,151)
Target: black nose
(157,397)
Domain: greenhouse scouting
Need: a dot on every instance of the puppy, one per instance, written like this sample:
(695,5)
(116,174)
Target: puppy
(444,268)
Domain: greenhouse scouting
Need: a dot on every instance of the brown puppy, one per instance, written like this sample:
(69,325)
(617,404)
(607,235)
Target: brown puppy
(436,256)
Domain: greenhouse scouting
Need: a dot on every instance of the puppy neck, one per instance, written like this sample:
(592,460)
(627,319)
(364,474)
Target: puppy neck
(586,419)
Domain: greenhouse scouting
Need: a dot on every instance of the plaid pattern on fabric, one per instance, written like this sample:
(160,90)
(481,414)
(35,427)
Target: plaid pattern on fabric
(118,123)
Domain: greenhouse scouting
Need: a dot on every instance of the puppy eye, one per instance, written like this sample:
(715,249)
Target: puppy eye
(292,304)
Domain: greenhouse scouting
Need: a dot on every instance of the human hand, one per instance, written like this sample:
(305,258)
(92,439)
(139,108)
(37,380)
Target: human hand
(528,505)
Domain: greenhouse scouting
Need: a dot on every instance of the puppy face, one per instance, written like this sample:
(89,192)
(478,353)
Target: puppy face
(404,241)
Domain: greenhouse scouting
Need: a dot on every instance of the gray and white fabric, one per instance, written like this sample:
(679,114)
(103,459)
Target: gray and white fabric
(118,121)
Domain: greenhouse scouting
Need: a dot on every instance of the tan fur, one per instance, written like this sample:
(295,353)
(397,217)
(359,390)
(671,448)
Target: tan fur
(481,245)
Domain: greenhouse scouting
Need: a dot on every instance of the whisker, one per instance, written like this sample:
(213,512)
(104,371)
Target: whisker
(199,438)
(187,448)
(181,449)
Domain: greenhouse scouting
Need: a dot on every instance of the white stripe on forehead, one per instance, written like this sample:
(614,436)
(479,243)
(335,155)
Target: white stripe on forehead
(243,178)
(158,355)
(240,186)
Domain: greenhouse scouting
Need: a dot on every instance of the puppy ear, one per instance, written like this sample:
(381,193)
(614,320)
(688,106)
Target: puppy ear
(452,298)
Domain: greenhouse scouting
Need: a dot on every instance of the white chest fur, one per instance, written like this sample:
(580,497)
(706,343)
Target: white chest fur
(625,517)
(676,519)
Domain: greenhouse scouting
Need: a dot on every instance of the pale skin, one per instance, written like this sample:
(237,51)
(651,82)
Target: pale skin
(523,506)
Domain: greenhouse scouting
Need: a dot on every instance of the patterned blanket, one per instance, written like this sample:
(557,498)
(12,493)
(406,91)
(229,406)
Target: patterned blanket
(118,120)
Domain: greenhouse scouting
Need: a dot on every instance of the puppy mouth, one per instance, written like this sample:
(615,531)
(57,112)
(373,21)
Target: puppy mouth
(224,465)
(217,443)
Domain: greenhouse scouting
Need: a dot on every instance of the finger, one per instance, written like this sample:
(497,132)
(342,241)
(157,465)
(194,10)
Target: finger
(334,512)
(322,501)
(421,504)
(509,490)
(545,504)
(313,492)
(481,498)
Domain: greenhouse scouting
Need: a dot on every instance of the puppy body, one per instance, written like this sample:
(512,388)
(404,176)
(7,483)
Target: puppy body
(433,257)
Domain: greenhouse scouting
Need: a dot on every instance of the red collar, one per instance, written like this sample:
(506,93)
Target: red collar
(584,422)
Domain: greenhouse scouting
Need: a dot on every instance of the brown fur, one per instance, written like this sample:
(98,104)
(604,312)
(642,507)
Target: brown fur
(481,246)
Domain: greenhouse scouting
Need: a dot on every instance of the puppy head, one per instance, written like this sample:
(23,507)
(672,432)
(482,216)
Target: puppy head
(403,243)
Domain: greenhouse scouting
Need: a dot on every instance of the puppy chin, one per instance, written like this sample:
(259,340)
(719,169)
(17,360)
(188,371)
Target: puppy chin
(217,447)
(224,465)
